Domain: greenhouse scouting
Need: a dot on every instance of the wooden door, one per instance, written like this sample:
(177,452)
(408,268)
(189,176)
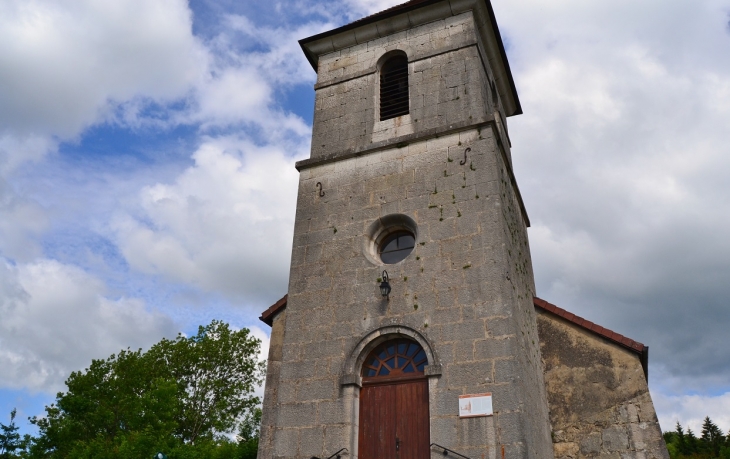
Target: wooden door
(411,420)
(394,420)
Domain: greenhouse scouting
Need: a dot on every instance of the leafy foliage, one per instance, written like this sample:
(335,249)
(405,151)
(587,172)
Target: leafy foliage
(712,444)
(184,397)
(10,440)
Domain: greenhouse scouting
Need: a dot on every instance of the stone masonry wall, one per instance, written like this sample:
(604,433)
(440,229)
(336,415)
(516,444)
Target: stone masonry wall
(271,386)
(520,279)
(466,290)
(448,84)
(462,289)
(599,400)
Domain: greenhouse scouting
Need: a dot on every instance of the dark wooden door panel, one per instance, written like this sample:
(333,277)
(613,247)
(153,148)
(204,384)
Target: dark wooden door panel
(394,421)
(377,422)
(412,426)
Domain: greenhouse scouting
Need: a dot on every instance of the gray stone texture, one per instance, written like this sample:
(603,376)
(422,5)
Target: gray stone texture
(447,87)
(269,418)
(466,289)
(485,339)
(598,396)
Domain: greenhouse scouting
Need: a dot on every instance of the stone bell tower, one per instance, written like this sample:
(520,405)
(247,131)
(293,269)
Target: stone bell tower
(410,174)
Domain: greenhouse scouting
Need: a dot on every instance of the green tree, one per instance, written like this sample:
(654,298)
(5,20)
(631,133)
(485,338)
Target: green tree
(248,435)
(712,438)
(10,440)
(725,448)
(182,397)
(217,371)
(681,440)
(693,443)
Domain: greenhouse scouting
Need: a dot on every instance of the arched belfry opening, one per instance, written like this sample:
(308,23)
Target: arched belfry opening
(394,415)
(394,86)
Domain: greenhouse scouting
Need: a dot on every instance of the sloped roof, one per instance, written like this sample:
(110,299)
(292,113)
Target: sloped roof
(267,316)
(610,335)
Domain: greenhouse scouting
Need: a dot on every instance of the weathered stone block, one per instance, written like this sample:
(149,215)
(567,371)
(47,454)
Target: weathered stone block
(464,331)
(494,348)
(464,374)
(311,441)
(286,442)
(317,389)
(336,437)
(331,412)
(445,403)
(506,371)
(615,438)
(296,370)
(296,415)
(319,349)
(566,450)
(591,444)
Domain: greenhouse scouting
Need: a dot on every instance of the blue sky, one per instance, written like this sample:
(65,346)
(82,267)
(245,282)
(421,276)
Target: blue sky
(147,182)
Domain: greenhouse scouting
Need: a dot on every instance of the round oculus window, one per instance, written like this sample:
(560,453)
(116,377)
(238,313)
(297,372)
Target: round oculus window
(390,239)
(396,247)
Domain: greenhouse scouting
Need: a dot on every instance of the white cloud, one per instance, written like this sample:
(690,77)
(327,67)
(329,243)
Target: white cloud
(56,318)
(224,225)
(250,66)
(257,332)
(15,150)
(691,410)
(21,219)
(623,161)
(281,60)
(235,95)
(63,62)
(367,7)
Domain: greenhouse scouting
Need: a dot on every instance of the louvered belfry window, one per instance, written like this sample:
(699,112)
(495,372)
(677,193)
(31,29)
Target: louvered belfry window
(394,88)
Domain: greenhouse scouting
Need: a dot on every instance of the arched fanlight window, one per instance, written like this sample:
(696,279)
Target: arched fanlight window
(394,87)
(395,358)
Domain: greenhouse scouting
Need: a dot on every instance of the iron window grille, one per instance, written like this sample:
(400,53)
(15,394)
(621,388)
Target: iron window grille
(394,88)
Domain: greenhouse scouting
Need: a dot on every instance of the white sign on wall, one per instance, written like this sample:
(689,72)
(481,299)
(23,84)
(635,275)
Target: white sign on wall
(474,405)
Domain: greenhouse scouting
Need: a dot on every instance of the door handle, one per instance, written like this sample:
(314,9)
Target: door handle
(397,444)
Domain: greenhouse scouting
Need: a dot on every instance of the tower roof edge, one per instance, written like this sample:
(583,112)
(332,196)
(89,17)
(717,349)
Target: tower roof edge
(402,17)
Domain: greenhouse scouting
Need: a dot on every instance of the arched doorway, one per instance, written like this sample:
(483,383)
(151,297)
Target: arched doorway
(394,421)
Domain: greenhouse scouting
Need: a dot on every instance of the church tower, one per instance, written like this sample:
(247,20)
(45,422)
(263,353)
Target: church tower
(409,328)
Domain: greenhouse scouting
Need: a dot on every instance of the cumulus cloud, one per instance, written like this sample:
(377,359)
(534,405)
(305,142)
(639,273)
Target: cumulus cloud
(63,63)
(691,410)
(224,225)
(623,162)
(251,65)
(21,220)
(274,51)
(56,318)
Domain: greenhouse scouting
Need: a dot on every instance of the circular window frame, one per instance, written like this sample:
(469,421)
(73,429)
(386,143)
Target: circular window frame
(381,229)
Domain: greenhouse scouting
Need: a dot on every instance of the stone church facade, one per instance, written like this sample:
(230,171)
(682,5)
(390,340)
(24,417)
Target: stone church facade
(411,292)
